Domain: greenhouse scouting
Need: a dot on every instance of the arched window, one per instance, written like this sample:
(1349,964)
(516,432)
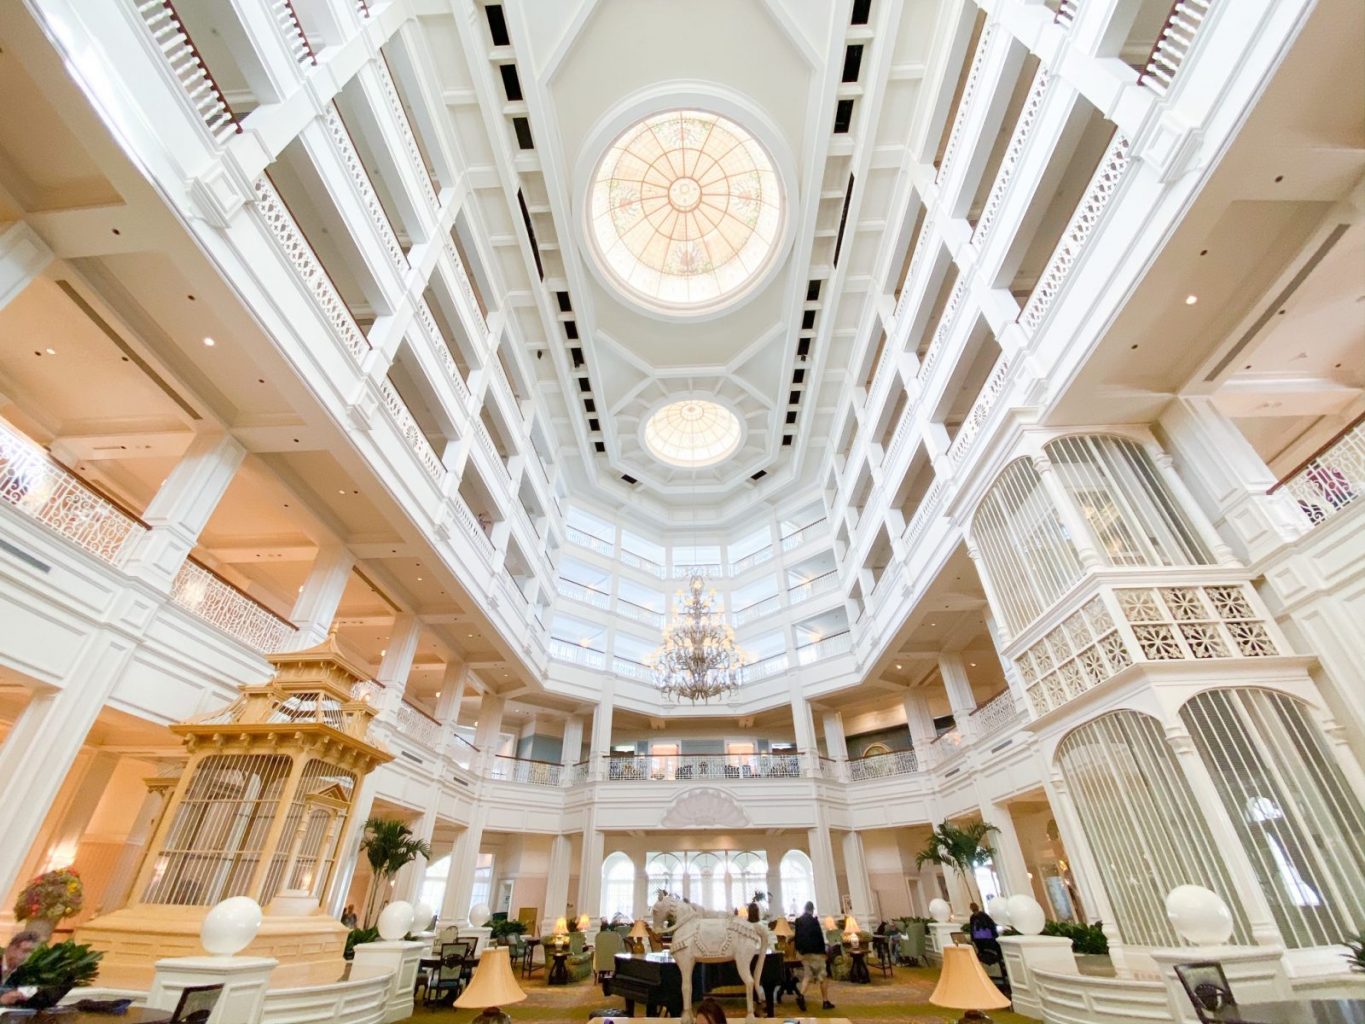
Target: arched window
(798,882)
(1133,519)
(1302,826)
(665,871)
(618,887)
(748,875)
(1030,559)
(433,889)
(706,880)
(1142,822)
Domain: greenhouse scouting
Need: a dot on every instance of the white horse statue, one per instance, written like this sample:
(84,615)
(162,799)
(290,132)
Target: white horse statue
(709,937)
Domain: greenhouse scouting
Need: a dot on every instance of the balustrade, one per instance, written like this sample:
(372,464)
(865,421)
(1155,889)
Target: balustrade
(707,570)
(756,610)
(638,612)
(471,526)
(206,595)
(1173,44)
(641,562)
(525,771)
(1023,130)
(412,433)
(37,485)
(964,107)
(590,541)
(182,58)
(1330,479)
(418,726)
(765,667)
(631,669)
(981,409)
(582,592)
(567,650)
(996,714)
(821,584)
(292,30)
(827,647)
(751,560)
(945,325)
(806,533)
(461,752)
(880,766)
(688,767)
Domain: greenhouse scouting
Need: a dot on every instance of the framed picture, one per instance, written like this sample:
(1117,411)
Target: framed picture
(846,903)
(196,1004)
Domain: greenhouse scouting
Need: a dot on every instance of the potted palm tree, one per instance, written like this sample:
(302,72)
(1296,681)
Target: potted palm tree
(389,845)
(961,849)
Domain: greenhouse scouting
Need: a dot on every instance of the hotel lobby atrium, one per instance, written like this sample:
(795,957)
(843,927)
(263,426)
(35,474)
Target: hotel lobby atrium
(513,475)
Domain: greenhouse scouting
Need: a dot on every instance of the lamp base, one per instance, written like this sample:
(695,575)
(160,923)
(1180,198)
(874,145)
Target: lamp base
(974,1017)
(493,1015)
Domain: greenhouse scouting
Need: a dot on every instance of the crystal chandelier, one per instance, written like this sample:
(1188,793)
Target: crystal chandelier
(698,658)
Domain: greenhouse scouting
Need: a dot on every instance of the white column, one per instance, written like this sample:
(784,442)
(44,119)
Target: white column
(409,881)
(464,858)
(557,884)
(397,663)
(85,785)
(572,750)
(600,745)
(454,681)
(1076,526)
(23,255)
(959,687)
(488,729)
(316,606)
(120,884)
(859,891)
(1012,678)
(590,867)
(822,861)
(44,741)
(835,744)
(919,720)
(348,850)
(1009,855)
(182,507)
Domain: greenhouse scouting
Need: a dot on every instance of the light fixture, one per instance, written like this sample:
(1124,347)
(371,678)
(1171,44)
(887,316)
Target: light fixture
(1190,300)
(639,935)
(963,985)
(209,342)
(52,351)
(491,987)
(898,668)
(698,658)
(584,923)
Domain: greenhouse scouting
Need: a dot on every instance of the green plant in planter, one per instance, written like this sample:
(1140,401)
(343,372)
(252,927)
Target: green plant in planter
(961,849)
(505,929)
(389,845)
(1085,938)
(355,937)
(56,970)
(1356,957)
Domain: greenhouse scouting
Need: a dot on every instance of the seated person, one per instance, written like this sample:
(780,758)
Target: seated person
(18,950)
(709,1012)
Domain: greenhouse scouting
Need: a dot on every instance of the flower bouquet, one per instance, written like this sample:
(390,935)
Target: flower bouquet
(51,896)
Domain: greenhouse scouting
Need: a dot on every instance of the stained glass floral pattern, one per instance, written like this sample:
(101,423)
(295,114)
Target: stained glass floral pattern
(692,433)
(685,210)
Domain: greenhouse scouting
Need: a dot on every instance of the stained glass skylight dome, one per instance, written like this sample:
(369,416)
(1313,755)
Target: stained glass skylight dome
(692,433)
(685,211)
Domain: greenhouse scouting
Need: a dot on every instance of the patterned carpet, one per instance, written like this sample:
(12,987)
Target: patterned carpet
(904,997)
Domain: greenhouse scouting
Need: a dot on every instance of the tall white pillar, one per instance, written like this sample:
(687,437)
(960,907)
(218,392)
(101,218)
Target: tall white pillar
(454,681)
(919,720)
(409,880)
(488,730)
(600,746)
(397,662)
(45,739)
(464,859)
(590,867)
(822,862)
(85,785)
(556,884)
(859,889)
(182,507)
(571,752)
(959,687)
(1010,865)
(1082,538)
(835,743)
(316,606)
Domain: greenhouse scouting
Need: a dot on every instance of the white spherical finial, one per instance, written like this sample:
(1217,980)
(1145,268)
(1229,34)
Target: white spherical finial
(998,908)
(940,910)
(422,915)
(1199,915)
(479,914)
(395,920)
(1025,914)
(230,926)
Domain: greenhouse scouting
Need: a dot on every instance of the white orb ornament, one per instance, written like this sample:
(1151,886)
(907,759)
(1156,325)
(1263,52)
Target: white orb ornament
(940,910)
(421,915)
(230,926)
(479,914)
(1025,914)
(1199,915)
(395,920)
(998,908)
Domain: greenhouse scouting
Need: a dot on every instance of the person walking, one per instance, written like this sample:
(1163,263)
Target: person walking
(810,947)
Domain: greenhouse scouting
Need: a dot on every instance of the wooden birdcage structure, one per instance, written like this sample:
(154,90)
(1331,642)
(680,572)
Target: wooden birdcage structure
(262,809)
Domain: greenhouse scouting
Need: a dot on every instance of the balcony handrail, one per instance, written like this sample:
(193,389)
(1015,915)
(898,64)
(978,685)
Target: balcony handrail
(240,592)
(289,18)
(1172,44)
(97,492)
(813,580)
(824,639)
(1321,450)
(526,760)
(188,67)
(460,739)
(988,701)
(802,529)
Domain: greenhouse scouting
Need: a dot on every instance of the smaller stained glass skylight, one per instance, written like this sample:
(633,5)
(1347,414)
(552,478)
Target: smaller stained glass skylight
(685,210)
(692,433)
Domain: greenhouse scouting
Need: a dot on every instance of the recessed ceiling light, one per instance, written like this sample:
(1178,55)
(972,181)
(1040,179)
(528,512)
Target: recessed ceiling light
(898,668)
(384,653)
(971,664)
(209,342)
(52,351)
(341,490)
(1190,300)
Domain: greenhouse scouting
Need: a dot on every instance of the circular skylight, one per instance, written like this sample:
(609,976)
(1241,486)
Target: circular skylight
(692,433)
(685,210)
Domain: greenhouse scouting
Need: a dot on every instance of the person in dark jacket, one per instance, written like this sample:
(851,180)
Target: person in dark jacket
(810,947)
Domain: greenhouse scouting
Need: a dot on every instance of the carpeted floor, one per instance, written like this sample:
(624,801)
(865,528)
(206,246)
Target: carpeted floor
(904,997)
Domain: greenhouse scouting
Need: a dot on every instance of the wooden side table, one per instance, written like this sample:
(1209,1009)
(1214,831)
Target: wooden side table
(559,970)
(857,970)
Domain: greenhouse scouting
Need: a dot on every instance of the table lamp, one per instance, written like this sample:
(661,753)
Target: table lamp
(638,935)
(561,932)
(783,929)
(963,985)
(583,923)
(828,922)
(491,988)
(852,930)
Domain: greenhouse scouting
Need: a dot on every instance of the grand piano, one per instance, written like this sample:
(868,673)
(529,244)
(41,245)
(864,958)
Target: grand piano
(656,981)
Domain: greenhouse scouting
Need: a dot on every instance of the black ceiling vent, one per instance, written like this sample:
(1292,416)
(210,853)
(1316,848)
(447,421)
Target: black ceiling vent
(594,424)
(497,25)
(843,220)
(759,475)
(600,447)
(843,117)
(530,232)
(511,84)
(629,479)
(861,11)
(571,330)
(808,320)
(565,304)
(813,290)
(803,346)
(584,384)
(522,127)
(786,440)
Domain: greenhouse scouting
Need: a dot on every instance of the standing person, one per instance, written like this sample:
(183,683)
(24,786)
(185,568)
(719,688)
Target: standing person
(810,947)
(348,916)
(18,950)
(981,926)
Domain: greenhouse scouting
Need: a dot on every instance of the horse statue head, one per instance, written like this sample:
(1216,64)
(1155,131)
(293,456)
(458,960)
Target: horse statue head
(665,905)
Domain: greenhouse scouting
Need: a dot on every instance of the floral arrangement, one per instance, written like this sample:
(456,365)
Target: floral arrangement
(51,896)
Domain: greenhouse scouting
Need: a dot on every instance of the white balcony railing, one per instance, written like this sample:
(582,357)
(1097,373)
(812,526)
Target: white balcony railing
(206,595)
(756,610)
(631,669)
(996,714)
(749,561)
(806,533)
(690,767)
(40,487)
(412,433)
(582,592)
(880,766)
(590,541)
(814,587)
(461,752)
(638,612)
(706,570)
(981,410)
(171,37)
(418,726)
(576,654)
(828,647)
(641,562)
(1173,44)
(525,771)
(1332,478)
(765,667)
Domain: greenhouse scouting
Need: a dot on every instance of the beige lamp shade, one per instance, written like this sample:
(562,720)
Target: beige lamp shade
(829,924)
(583,923)
(492,984)
(639,931)
(561,926)
(963,985)
(851,926)
(783,929)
